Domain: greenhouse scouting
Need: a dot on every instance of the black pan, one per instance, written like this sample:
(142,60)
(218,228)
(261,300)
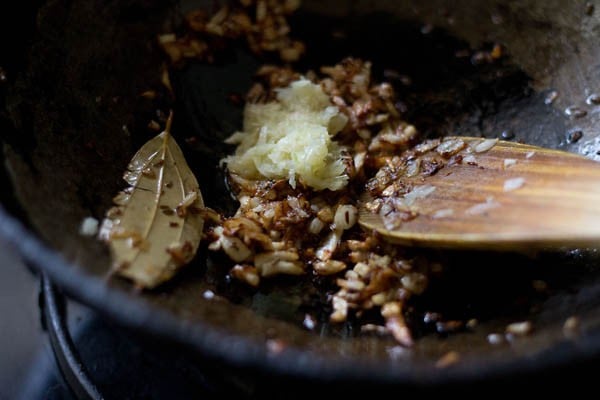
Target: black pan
(72,116)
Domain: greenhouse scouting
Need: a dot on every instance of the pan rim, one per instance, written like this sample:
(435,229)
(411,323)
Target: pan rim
(69,278)
(242,352)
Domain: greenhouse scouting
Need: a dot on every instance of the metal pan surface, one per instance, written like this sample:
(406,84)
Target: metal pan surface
(73,118)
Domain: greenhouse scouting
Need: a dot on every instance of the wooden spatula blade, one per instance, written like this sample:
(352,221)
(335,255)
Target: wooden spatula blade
(511,196)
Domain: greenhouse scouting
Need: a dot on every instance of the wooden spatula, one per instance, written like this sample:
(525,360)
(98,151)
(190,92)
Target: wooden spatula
(496,195)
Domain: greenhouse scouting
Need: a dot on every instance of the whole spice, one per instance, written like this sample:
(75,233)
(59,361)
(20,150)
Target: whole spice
(149,242)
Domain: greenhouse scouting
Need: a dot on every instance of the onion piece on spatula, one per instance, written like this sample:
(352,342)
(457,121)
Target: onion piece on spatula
(487,194)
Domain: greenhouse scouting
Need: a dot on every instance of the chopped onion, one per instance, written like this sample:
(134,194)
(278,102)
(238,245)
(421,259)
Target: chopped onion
(450,147)
(470,159)
(389,217)
(413,167)
(513,184)
(418,192)
(359,160)
(509,162)
(89,226)
(345,217)
(485,145)
(443,213)
(482,208)
(315,226)
(329,245)
(529,154)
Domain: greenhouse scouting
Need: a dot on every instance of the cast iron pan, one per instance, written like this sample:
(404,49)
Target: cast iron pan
(72,118)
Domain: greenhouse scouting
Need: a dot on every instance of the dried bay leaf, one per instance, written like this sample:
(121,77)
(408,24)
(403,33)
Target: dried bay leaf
(155,227)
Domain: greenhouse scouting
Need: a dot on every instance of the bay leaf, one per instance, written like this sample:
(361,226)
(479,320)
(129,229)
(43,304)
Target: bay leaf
(155,227)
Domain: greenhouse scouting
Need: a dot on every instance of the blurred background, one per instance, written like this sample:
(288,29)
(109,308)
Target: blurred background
(22,341)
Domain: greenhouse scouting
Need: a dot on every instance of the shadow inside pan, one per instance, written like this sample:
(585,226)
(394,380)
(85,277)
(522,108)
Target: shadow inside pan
(79,118)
